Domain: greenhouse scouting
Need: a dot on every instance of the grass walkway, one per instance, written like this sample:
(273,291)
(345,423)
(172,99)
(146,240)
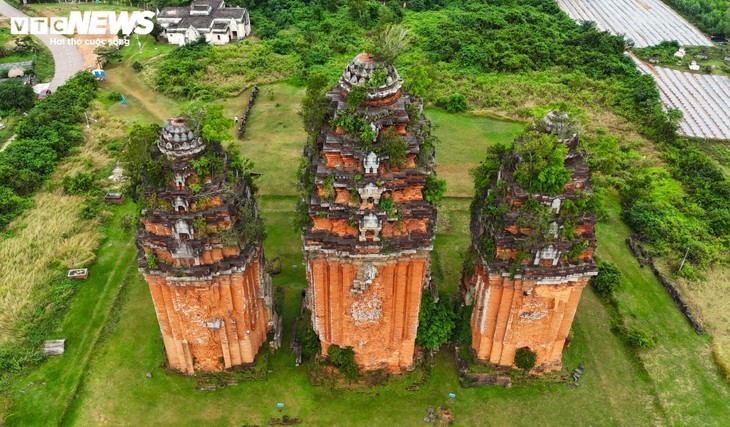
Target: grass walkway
(42,396)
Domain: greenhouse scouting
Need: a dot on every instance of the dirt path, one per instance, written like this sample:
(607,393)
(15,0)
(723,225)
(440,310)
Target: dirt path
(7,143)
(123,79)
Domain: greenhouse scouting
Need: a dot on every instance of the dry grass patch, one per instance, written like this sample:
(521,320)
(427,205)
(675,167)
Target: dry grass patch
(92,155)
(47,236)
(709,302)
(50,235)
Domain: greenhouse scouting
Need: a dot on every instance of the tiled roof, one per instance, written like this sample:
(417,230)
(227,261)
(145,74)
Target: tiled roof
(183,18)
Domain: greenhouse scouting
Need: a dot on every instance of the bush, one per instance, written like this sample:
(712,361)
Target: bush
(80,183)
(637,338)
(393,146)
(542,166)
(434,190)
(454,103)
(128,221)
(525,358)
(344,360)
(136,66)
(89,209)
(462,331)
(607,280)
(307,338)
(356,96)
(436,322)
(273,266)
(114,96)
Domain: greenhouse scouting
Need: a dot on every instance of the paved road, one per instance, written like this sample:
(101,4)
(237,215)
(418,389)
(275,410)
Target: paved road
(67,57)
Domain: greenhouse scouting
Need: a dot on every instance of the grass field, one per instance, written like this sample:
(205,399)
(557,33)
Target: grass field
(41,397)
(42,235)
(689,388)
(114,337)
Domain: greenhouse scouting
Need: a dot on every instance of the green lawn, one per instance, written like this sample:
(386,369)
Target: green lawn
(117,392)
(143,104)
(274,137)
(464,142)
(674,385)
(688,385)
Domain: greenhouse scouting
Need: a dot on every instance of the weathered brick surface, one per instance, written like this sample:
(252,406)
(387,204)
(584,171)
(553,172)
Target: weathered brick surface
(367,248)
(526,282)
(212,296)
(512,313)
(379,321)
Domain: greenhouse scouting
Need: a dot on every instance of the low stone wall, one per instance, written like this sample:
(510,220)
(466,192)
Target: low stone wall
(474,380)
(244,119)
(644,259)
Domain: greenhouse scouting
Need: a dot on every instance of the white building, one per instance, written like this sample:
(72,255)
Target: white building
(209,18)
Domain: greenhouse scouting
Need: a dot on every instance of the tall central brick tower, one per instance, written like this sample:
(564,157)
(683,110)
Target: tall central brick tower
(201,254)
(532,251)
(371,228)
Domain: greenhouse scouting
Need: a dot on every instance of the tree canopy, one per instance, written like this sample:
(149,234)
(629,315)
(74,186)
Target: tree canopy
(541,165)
(15,96)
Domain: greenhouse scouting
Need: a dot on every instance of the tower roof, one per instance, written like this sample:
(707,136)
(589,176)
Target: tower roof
(360,72)
(177,140)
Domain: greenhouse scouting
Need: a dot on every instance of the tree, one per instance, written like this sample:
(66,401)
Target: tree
(15,96)
(10,205)
(25,165)
(607,280)
(541,167)
(107,53)
(314,105)
(156,30)
(136,157)
(208,120)
(416,81)
(436,322)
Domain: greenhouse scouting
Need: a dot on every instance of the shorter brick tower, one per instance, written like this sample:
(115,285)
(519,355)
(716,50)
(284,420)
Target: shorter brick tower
(532,254)
(201,254)
(370,228)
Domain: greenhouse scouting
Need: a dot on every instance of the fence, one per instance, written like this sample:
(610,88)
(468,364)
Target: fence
(244,119)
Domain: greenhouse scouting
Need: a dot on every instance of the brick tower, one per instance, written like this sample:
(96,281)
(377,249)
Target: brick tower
(532,254)
(371,229)
(201,254)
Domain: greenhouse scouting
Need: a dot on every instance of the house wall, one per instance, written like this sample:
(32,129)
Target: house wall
(218,38)
(176,38)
